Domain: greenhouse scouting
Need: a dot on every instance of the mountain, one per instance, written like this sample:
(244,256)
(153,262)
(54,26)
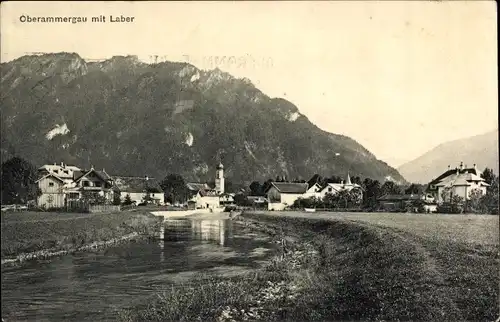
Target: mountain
(133,118)
(481,150)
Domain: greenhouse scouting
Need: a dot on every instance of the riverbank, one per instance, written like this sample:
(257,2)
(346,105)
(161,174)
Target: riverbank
(40,235)
(327,267)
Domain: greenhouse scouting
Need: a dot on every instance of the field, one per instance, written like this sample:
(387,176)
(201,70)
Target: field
(374,266)
(25,232)
(469,229)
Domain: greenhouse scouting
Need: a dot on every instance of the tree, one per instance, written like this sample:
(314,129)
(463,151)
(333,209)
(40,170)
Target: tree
(489,202)
(255,188)
(241,199)
(127,200)
(371,193)
(116,199)
(311,202)
(266,186)
(92,198)
(474,202)
(414,189)
(333,179)
(488,175)
(175,186)
(331,200)
(457,204)
(356,180)
(390,188)
(18,181)
(147,197)
(446,194)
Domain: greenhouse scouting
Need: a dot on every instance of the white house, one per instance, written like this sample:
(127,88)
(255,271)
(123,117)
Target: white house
(313,191)
(284,194)
(334,188)
(460,181)
(137,188)
(204,196)
(62,184)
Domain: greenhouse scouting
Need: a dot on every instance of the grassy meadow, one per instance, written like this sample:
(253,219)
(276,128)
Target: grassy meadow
(27,232)
(375,266)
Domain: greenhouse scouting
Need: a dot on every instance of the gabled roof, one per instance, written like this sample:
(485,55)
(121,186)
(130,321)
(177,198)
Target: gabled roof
(342,186)
(317,185)
(78,175)
(289,187)
(335,186)
(454,172)
(461,179)
(314,180)
(136,184)
(50,175)
(196,186)
(62,171)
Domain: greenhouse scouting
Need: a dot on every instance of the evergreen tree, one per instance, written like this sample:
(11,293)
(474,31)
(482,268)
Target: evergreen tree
(18,181)
(127,201)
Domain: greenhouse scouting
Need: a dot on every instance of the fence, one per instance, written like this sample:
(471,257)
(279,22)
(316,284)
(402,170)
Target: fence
(103,208)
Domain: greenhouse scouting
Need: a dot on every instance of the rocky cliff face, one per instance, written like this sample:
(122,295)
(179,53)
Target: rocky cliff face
(134,118)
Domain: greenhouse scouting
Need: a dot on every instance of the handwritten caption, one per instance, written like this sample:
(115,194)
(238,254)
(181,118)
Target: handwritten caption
(211,62)
(75,20)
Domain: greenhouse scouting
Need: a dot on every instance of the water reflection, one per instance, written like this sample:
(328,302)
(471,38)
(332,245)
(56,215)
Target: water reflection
(88,286)
(219,231)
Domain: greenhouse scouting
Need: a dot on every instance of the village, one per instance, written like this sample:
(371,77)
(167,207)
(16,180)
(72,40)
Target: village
(65,186)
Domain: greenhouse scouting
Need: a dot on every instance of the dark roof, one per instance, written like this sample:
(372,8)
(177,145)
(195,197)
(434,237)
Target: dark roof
(77,175)
(454,171)
(207,193)
(136,184)
(289,187)
(314,180)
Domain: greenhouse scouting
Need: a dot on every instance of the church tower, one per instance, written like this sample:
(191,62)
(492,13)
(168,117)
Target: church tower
(219,179)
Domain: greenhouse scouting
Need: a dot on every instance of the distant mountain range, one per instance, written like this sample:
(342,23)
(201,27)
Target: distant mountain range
(481,150)
(133,118)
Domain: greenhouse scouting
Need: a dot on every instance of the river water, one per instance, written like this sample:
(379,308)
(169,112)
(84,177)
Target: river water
(93,286)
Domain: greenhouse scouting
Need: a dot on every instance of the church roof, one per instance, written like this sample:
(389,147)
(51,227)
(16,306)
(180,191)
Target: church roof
(348,180)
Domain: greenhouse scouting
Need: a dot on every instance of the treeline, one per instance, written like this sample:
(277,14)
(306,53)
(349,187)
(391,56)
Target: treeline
(372,190)
(18,178)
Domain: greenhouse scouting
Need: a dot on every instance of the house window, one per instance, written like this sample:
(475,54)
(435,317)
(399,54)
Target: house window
(86,183)
(330,189)
(97,184)
(56,171)
(51,184)
(66,171)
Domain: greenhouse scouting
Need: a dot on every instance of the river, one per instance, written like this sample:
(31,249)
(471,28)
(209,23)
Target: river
(93,286)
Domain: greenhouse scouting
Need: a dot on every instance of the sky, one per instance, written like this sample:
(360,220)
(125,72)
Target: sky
(400,77)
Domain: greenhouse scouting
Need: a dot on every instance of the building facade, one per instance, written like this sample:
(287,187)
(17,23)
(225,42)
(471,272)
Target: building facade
(461,182)
(202,196)
(63,185)
(281,195)
(139,189)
